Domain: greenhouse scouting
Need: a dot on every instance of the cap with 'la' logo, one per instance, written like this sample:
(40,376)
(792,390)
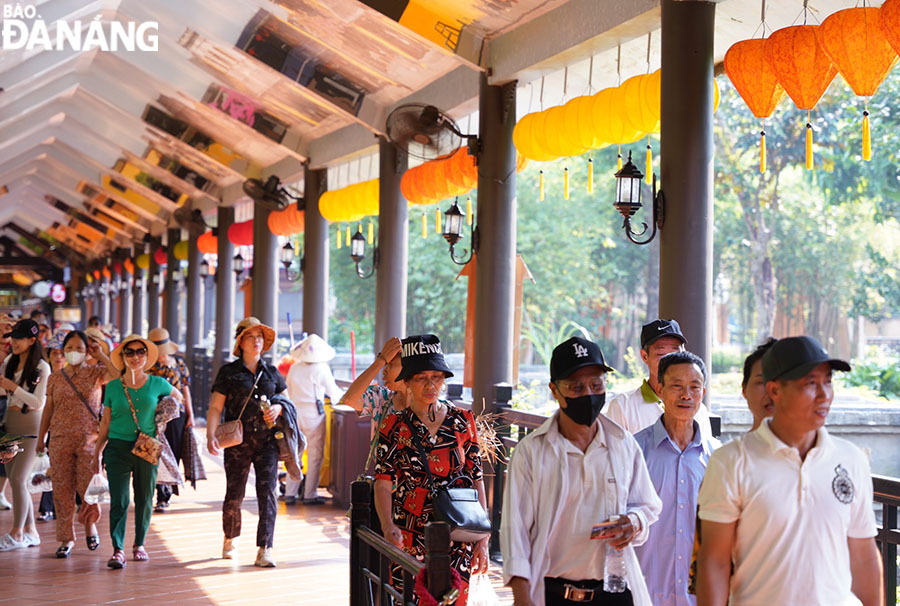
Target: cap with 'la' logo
(575,353)
(793,357)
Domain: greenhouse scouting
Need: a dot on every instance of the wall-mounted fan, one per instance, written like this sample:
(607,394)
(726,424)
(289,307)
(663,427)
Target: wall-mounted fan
(191,220)
(271,194)
(425,132)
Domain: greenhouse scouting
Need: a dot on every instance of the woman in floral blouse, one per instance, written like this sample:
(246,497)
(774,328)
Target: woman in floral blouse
(448,436)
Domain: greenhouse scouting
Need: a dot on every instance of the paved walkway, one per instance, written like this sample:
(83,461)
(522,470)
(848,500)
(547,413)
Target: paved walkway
(311,547)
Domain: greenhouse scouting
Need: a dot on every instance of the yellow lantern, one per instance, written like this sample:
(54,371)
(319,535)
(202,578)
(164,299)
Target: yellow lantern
(143,261)
(638,114)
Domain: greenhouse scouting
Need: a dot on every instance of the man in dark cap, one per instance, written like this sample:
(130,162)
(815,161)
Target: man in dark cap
(576,471)
(788,505)
(634,410)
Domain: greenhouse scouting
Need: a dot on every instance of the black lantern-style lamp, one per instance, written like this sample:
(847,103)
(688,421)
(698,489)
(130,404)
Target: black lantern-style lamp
(628,201)
(454,219)
(204,269)
(287,259)
(238,265)
(358,253)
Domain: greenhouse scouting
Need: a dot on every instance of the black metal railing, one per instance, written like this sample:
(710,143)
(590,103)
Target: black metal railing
(373,560)
(887,493)
(201,382)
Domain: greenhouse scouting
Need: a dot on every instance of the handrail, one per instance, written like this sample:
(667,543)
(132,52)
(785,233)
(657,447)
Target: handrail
(886,491)
(396,555)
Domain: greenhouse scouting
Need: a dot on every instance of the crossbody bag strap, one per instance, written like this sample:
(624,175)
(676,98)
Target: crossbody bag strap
(421,449)
(252,389)
(80,397)
(131,406)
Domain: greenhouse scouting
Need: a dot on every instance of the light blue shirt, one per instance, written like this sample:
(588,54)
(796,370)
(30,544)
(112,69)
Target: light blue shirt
(666,556)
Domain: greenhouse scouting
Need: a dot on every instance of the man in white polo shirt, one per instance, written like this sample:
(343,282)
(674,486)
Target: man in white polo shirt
(634,410)
(786,510)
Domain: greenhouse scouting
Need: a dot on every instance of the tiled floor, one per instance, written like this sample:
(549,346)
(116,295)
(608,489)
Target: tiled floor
(311,547)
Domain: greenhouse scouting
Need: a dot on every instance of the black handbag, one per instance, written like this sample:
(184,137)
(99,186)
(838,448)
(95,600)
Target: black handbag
(458,507)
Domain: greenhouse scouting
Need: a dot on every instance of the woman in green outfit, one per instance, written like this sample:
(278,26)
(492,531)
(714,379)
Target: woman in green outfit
(132,357)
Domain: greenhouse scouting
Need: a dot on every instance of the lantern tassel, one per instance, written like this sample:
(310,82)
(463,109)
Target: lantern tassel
(762,151)
(371,233)
(541,187)
(866,138)
(590,179)
(437,221)
(469,210)
(339,238)
(424,226)
(809,146)
(566,183)
(347,243)
(648,178)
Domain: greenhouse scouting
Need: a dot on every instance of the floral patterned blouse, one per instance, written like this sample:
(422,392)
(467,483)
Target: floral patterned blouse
(70,417)
(177,374)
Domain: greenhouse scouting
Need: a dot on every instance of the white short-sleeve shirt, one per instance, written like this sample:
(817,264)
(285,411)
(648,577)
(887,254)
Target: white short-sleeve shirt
(640,408)
(794,517)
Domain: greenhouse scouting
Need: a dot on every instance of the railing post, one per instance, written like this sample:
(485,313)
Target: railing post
(437,558)
(360,497)
(889,554)
(502,396)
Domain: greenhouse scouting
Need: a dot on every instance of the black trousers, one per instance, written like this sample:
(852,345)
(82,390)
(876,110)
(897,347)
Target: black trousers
(554,588)
(260,449)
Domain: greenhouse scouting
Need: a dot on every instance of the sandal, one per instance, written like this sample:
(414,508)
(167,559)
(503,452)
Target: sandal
(93,542)
(117,561)
(140,554)
(63,551)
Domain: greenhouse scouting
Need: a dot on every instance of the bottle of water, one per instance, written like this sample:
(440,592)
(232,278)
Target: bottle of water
(614,568)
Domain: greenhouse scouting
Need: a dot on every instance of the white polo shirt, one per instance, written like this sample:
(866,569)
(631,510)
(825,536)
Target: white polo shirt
(794,517)
(634,410)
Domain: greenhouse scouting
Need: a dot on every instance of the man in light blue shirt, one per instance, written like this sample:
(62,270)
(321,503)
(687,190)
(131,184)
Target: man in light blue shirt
(676,454)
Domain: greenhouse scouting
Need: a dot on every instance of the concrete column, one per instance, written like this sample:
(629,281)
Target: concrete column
(153,289)
(194,313)
(393,246)
(264,288)
(315,252)
(125,318)
(686,167)
(224,289)
(495,280)
(172,265)
(104,300)
(139,302)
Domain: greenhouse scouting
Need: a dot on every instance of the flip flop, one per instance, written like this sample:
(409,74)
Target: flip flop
(140,554)
(63,551)
(93,542)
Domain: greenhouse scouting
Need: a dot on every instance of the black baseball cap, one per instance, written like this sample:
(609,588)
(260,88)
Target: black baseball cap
(793,357)
(575,353)
(24,329)
(657,329)
(421,353)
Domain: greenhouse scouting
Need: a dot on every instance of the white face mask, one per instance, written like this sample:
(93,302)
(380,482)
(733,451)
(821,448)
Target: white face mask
(74,357)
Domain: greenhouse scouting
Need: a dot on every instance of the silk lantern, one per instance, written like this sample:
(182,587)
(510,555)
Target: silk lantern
(241,234)
(207,243)
(180,250)
(890,23)
(159,255)
(857,45)
(143,261)
(128,264)
(803,69)
(756,82)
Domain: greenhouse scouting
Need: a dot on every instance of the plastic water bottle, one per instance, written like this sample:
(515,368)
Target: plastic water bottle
(614,568)
(265,405)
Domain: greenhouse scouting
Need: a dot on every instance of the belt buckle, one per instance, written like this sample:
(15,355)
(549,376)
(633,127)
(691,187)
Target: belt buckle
(577,594)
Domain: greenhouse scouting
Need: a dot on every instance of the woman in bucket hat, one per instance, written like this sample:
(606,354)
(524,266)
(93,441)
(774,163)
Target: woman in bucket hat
(247,379)
(133,358)
(449,438)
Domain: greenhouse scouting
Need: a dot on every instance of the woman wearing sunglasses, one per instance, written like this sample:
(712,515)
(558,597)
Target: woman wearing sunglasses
(118,432)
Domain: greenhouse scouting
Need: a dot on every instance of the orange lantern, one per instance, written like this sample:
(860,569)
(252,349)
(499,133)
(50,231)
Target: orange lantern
(275,223)
(128,264)
(856,43)
(97,274)
(756,82)
(890,22)
(803,69)
(207,243)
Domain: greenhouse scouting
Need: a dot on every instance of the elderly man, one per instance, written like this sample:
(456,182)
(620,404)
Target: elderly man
(786,510)
(575,471)
(676,453)
(640,408)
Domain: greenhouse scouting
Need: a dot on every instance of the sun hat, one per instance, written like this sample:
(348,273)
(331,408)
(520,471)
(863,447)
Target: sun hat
(651,332)
(97,335)
(313,349)
(24,329)
(421,353)
(575,353)
(160,338)
(793,357)
(152,353)
(251,322)
(55,342)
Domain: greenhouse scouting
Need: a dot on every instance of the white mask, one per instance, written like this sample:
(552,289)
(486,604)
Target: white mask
(74,357)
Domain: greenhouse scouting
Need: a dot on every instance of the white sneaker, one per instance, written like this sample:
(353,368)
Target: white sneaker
(7,543)
(229,547)
(31,540)
(4,504)
(264,558)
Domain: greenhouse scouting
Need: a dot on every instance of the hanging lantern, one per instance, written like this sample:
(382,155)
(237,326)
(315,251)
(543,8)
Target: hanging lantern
(207,243)
(106,273)
(890,23)
(143,261)
(638,113)
(159,255)
(803,69)
(857,45)
(180,250)
(128,264)
(241,234)
(523,138)
(756,82)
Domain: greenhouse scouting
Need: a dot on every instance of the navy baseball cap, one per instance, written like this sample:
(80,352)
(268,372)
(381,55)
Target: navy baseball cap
(793,357)
(657,329)
(575,353)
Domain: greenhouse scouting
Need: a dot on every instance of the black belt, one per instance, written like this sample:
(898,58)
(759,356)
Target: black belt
(574,591)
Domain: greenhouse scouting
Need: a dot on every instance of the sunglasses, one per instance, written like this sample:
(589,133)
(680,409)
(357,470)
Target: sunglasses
(130,353)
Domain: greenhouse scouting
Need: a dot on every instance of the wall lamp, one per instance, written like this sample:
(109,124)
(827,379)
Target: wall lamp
(628,201)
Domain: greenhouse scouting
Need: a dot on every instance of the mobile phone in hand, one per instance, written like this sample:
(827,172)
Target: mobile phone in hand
(602,530)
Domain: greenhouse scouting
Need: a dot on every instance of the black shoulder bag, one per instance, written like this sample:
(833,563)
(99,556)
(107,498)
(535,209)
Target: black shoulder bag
(458,507)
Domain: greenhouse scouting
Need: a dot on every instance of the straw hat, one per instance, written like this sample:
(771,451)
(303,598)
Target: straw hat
(251,322)
(97,335)
(160,337)
(313,349)
(152,353)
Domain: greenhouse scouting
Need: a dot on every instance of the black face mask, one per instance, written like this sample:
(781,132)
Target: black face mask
(584,410)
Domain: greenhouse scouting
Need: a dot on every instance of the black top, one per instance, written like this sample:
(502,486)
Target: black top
(234,381)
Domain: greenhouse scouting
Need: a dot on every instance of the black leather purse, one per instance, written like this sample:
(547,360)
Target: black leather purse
(458,507)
